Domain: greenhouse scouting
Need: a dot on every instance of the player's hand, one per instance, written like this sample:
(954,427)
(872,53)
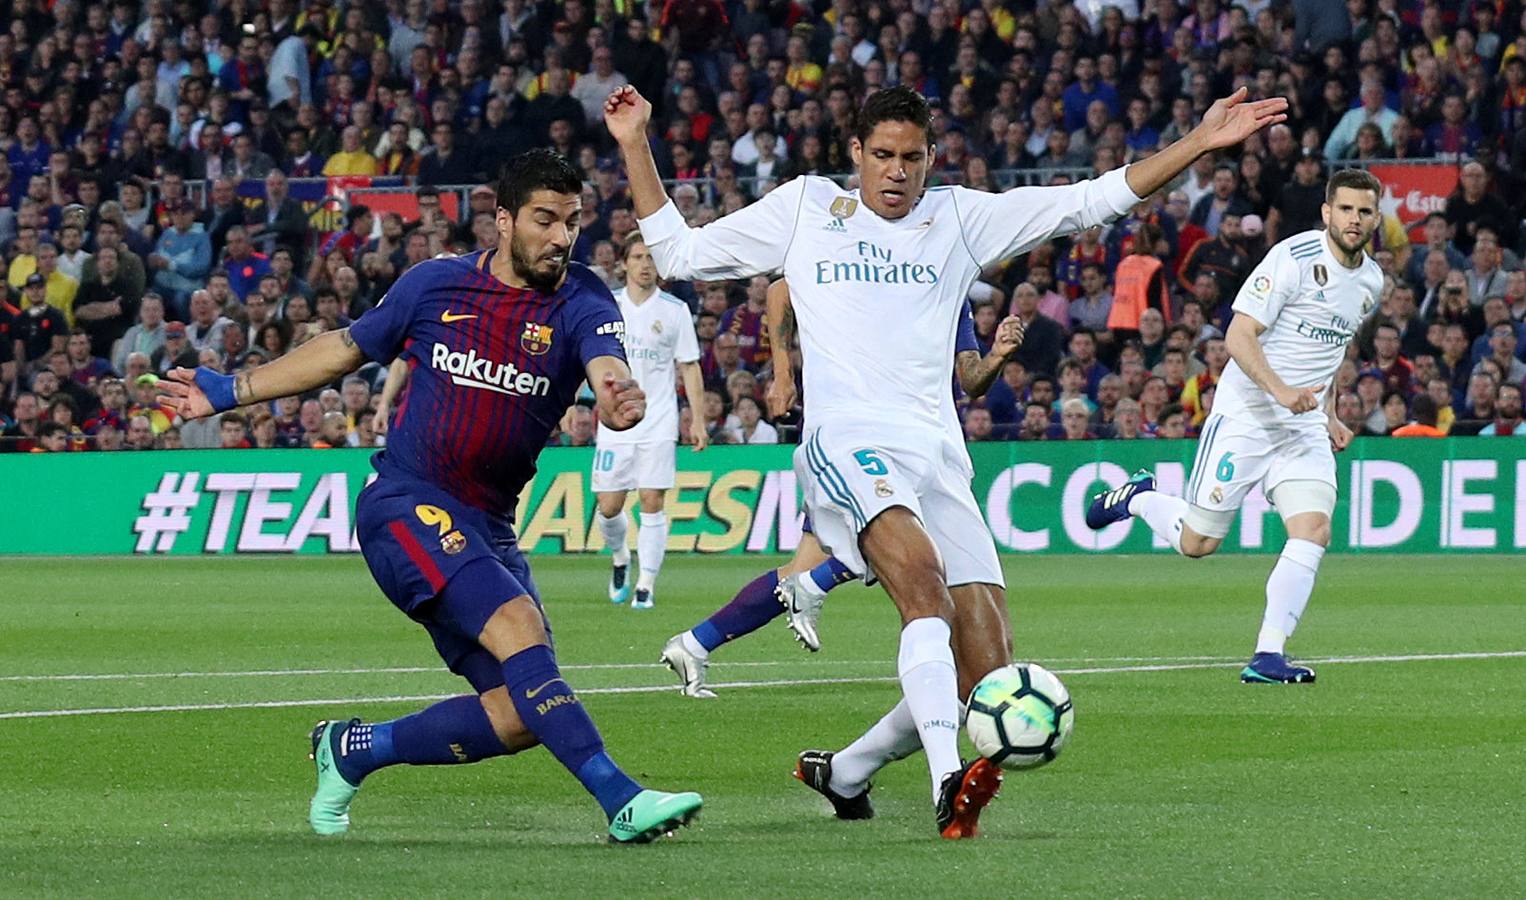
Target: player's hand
(626,114)
(1232,119)
(178,391)
(1340,435)
(623,400)
(1009,336)
(1298,400)
(379,421)
(780,396)
(699,435)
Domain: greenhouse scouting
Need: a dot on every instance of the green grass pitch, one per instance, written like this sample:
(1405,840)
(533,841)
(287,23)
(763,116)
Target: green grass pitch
(1390,775)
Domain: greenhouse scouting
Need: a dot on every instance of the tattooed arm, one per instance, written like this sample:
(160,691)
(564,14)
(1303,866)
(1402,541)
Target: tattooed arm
(320,361)
(781,337)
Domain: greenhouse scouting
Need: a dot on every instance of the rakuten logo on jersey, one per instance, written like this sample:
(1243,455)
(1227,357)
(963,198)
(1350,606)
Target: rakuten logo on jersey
(470,370)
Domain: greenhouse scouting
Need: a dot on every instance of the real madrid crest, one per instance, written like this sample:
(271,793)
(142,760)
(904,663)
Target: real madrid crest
(1368,303)
(882,488)
(843,207)
(1321,274)
(656,328)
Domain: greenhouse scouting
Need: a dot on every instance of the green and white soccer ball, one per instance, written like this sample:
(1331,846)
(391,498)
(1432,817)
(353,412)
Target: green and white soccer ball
(1020,716)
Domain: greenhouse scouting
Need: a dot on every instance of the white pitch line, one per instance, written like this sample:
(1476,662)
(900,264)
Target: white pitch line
(782,682)
(414,670)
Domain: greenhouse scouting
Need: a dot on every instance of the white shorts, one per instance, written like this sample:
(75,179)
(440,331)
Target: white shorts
(628,467)
(849,476)
(1234,456)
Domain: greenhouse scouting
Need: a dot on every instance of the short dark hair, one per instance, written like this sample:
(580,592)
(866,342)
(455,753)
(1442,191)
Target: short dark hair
(1357,179)
(1423,409)
(895,104)
(535,170)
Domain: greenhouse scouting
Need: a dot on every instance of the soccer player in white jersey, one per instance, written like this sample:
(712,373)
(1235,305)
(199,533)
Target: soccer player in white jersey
(659,334)
(877,277)
(1270,426)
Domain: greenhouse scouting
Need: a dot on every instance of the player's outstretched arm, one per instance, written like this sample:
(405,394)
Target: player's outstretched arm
(1227,122)
(1245,349)
(621,402)
(977,373)
(626,114)
(780,316)
(194,393)
(750,241)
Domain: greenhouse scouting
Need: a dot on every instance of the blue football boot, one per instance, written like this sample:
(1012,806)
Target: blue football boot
(1274,668)
(1113,506)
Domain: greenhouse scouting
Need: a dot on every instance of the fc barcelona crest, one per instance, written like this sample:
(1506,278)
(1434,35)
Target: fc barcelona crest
(536,340)
(1321,274)
(843,207)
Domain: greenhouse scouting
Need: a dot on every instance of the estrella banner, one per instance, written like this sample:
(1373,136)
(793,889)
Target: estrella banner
(1412,192)
(1396,496)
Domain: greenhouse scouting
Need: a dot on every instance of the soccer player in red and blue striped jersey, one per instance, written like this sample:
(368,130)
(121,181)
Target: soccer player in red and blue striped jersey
(497,343)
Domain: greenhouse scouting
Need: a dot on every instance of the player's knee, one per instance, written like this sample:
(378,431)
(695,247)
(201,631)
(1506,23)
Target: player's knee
(611,504)
(514,626)
(1310,527)
(1197,546)
(652,501)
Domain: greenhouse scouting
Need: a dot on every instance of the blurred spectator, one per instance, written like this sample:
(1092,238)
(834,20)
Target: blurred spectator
(1507,413)
(1423,411)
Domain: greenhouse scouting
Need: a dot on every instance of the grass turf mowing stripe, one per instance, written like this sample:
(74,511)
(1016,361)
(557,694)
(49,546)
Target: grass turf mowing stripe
(441,670)
(782,682)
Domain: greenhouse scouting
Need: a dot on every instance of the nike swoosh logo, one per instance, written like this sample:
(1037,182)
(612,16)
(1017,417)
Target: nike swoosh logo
(530,694)
(454,317)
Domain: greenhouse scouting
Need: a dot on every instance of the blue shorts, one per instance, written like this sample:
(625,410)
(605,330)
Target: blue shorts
(417,539)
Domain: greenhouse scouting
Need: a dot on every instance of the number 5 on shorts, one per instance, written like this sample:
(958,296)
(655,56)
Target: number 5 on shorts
(869,462)
(1226,469)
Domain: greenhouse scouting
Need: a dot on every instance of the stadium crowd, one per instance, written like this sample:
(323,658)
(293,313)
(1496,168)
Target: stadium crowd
(127,129)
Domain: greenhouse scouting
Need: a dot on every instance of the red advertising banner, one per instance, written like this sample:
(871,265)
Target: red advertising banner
(1412,192)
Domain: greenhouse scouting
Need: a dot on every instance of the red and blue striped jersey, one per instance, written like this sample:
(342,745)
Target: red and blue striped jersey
(492,370)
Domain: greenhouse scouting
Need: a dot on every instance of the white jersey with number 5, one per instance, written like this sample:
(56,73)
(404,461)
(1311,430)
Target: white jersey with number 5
(1311,306)
(659,333)
(878,300)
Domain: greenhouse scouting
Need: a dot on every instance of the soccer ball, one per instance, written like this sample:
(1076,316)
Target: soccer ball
(1020,716)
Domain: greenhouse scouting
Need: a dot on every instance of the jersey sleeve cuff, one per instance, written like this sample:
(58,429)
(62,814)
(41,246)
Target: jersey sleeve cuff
(1115,187)
(662,224)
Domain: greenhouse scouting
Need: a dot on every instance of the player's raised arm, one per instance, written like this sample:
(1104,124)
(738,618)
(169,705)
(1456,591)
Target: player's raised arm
(621,402)
(1000,226)
(750,241)
(194,393)
(1227,122)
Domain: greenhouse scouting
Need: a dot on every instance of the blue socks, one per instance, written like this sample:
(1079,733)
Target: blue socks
(553,713)
(830,574)
(452,731)
(753,607)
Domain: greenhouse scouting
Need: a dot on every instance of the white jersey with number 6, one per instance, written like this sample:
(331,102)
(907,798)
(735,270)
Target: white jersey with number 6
(1311,306)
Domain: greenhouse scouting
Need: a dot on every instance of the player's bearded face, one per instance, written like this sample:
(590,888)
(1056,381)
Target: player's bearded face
(892,167)
(1351,217)
(541,242)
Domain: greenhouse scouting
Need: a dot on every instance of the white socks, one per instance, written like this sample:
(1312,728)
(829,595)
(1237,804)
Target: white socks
(931,688)
(1163,513)
(692,644)
(613,530)
(651,546)
(1287,593)
(891,738)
